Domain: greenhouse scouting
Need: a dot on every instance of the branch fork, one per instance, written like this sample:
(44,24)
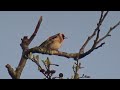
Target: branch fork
(25,42)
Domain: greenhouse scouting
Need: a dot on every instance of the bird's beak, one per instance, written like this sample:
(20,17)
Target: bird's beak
(65,38)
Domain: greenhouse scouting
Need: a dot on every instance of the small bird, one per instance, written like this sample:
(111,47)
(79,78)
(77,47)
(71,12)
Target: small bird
(54,42)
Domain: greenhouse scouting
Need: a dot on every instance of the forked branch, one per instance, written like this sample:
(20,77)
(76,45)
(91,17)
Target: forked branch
(81,53)
(15,74)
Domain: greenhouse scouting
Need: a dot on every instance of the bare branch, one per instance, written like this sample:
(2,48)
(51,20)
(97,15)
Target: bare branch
(20,67)
(11,71)
(95,41)
(73,68)
(24,45)
(99,45)
(51,52)
(102,17)
(39,66)
(76,56)
(108,33)
(81,53)
(36,30)
(77,67)
(45,65)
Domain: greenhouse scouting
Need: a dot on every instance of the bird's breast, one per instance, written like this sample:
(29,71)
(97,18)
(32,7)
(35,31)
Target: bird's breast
(55,45)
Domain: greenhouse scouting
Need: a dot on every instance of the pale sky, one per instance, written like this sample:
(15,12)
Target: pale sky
(103,63)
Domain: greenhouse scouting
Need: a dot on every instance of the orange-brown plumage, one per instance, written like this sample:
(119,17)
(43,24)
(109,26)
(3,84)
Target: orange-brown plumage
(54,42)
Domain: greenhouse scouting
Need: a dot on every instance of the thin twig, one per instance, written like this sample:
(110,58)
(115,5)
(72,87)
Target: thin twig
(108,33)
(37,63)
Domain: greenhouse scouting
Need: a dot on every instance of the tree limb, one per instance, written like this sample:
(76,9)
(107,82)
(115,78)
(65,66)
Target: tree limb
(25,46)
(11,71)
(36,30)
(108,33)
(81,53)
(101,19)
(39,66)
(76,56)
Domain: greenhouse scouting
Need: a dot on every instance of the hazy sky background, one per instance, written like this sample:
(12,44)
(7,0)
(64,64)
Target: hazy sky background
(103,63)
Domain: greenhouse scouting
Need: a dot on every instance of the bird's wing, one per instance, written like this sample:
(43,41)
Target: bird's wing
(46,43)
(50,40)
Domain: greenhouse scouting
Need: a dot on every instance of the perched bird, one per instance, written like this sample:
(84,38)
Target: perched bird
(54,42)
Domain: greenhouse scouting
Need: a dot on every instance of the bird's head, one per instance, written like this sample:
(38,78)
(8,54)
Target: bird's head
(62,35)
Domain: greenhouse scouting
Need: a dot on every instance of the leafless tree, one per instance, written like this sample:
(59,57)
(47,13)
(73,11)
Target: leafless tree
(28,53)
